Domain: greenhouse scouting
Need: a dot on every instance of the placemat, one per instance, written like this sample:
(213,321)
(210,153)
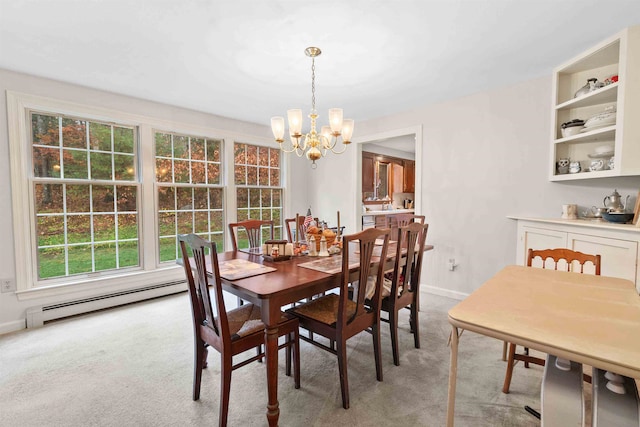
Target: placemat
(235,269)
(329,265)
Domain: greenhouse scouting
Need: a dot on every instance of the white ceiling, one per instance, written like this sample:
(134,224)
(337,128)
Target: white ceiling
(245,59)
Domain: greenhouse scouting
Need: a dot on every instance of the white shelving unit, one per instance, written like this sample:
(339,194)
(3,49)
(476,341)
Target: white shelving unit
(618,55)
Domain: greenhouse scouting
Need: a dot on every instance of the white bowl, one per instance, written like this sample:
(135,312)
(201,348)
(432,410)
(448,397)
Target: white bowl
(573,130)
(603,149)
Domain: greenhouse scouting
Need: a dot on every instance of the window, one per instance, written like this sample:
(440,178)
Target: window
(258,186)
(99,196)
(190,195)
(86,189)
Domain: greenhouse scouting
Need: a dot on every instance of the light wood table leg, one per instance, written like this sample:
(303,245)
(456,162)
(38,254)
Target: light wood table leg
(504,351)
(453,372)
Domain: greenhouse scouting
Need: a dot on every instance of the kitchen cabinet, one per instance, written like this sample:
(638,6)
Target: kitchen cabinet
(409,176)
(368,172)
(617,244)
(397,171)
(619,56)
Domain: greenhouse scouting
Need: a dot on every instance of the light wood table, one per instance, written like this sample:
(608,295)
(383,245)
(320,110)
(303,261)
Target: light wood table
(594,320)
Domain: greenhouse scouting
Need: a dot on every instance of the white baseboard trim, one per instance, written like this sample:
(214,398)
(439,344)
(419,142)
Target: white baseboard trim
(443,292)
(13,326)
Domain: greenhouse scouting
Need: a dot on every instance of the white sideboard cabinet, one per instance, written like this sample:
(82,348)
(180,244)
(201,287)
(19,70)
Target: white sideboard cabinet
(617,244)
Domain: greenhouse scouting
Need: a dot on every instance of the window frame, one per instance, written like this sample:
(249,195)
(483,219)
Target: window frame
(151,271)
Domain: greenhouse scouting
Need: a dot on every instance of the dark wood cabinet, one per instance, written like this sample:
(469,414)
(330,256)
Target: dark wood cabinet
(368,172)
(409,176)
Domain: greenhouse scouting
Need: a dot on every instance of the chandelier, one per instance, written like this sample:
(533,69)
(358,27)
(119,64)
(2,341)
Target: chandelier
(314,144)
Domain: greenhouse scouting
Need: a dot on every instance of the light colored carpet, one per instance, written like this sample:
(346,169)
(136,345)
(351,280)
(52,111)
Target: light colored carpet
(132,366)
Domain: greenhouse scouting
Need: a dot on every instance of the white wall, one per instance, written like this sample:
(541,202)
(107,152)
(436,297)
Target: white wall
(12,311)
(484,157)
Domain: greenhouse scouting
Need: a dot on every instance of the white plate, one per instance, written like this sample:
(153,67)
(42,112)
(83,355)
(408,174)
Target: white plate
(590,128)
(600,156)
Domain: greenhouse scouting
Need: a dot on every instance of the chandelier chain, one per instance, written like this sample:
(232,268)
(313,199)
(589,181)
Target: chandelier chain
(313,85)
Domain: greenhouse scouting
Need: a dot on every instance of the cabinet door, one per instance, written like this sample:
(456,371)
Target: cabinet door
(618,257)
(538,238)
(409,176)
(398,178)
(368,168)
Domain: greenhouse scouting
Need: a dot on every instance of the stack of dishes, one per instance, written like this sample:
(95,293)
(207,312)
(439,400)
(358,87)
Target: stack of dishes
(602,158)
(600,120)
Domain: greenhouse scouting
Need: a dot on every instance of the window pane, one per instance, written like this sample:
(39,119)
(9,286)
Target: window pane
(184,198)
(180,147)
(101,166)
(216,221)
(252,175)
(213,150)
(50,230)
(75,164)
(163,145)
(275,178)
(263,156)
(127,198)
(201,223)
(74,133)
(103,199)
(105,256)
(198,173)
(185,222)
(49,198)
(168,249)
(127,226)
(46,162)
(51,262)
(124,167)
(167,223)
(100,136)
(78,198)
(123,140)
(128,254)
(213,173)
(243,198)
(181,171)
(240,174)
(78,229)
(216,196)
(166,198)
(44,129)
(163,170)
(274,158)
(200,198)
(197,149)
(252,155)
(80,259)
(104,228)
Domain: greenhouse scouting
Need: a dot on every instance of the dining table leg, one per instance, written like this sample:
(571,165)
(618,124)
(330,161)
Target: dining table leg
(271,355)
(453,372)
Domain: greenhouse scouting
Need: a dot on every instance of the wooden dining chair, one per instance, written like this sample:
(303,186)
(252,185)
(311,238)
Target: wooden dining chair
(253,229)
(229,332)
(341,316)
(570,261)
(403,219)
(404,291)
(292,231)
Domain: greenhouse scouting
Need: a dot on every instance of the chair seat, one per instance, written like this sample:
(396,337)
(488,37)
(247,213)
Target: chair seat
(247,319)
(323,309)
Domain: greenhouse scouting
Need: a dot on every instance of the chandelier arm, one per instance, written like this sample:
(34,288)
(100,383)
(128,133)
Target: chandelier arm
(341,151)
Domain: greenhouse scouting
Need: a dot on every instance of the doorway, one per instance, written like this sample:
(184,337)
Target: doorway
(401,143)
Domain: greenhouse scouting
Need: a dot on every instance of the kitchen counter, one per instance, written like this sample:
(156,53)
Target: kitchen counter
(388,212)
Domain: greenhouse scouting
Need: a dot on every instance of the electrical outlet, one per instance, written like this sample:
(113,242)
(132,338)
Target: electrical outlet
(7,285)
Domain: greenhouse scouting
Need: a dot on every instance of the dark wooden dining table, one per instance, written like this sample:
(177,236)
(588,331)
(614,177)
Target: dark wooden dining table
(287,284)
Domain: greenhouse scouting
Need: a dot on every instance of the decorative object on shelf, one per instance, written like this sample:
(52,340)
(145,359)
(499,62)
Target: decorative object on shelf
(589,87)
(597,212)
(613,202)
(314,144)
(618,217)
(604,118)
(596,165)
(563,166)
(572,127)
(612,162)
(574,167)
(570,211)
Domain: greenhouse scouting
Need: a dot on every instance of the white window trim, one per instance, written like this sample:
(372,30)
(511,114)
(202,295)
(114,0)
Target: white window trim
(151,270)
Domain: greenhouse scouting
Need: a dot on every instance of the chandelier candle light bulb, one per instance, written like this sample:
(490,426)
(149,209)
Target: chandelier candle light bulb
(315,145)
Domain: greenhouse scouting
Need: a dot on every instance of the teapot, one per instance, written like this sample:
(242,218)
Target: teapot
(613,202)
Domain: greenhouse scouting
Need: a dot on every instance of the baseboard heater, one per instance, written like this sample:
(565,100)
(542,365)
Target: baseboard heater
(37,316)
